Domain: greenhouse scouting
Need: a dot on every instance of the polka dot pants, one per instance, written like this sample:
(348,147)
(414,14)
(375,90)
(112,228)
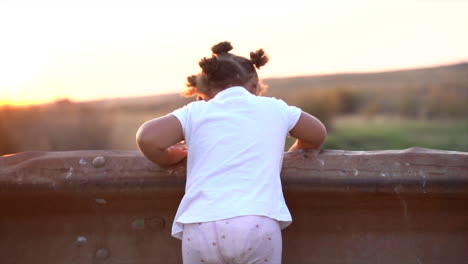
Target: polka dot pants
(239,240)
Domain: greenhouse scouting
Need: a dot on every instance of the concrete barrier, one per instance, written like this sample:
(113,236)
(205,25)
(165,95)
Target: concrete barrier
(405,206)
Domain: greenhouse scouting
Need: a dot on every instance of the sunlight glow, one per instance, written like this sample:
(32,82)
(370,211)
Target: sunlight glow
(87,50)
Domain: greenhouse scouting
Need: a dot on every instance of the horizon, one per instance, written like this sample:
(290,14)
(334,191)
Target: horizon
(121,50)
(65,99)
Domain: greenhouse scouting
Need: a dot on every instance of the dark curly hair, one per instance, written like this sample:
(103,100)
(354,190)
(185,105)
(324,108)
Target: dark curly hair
(224,69)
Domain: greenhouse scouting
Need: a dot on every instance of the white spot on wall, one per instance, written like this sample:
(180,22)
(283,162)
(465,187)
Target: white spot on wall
(69,173)
(83,162)
(356,172)
(80,240)
(423,176)
(101,201)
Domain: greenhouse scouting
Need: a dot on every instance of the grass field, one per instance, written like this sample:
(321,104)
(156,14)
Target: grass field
(355,132)
(379,133)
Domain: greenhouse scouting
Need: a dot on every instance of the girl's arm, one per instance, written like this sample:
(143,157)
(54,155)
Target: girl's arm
(156,140)
(309,132)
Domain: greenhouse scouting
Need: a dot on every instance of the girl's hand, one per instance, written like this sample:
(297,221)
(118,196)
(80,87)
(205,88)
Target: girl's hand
(181,145)
(177,153)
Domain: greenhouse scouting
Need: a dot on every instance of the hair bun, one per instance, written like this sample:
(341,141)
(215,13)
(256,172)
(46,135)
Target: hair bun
(222,47)
(192,81)
(258,58)
(209,65)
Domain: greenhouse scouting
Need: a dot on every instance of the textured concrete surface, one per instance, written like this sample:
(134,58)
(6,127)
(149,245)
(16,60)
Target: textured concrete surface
(408,206)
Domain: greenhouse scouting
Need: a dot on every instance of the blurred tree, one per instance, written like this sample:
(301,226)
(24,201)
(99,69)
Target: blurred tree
(348,100)
(321,104)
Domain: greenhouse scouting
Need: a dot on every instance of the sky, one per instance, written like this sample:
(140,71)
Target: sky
(97,49)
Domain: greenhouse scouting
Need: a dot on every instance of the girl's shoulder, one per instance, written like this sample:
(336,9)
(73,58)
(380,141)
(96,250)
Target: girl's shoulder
(273,101)
(194,105)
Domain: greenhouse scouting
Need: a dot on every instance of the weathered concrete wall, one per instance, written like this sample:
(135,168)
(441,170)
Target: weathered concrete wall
(408,206)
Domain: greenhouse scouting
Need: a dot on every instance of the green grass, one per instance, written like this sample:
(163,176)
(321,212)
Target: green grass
(359,133)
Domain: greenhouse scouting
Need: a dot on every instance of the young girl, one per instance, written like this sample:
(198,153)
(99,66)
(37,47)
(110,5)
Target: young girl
(233,209)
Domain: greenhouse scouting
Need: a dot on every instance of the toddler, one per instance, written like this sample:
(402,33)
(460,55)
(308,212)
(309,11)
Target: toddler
(233,209)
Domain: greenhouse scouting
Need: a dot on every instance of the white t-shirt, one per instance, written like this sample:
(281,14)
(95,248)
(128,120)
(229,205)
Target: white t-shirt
(235,151)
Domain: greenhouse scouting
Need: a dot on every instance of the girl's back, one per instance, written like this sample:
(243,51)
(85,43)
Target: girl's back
(236,145)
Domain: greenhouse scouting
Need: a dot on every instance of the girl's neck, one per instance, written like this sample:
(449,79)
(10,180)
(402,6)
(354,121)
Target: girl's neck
(251,86)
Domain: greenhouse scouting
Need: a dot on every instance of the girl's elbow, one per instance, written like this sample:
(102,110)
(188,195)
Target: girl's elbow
(144,138)
(323,134)
(141,136)
(319,138)
(319,133)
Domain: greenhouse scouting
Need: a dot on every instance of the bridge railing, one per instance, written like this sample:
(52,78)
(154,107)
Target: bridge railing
(394,206)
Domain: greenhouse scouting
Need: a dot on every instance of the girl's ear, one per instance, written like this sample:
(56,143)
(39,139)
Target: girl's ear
(261,87)
(252,86)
